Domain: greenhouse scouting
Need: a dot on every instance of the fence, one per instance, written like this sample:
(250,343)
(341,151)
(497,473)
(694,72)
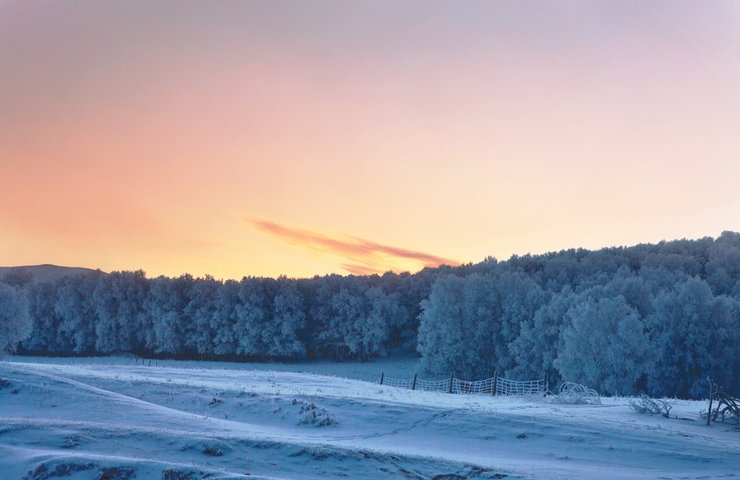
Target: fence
(490,386)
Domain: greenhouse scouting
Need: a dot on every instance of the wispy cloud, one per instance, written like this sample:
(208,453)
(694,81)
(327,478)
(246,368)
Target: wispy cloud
(359,256)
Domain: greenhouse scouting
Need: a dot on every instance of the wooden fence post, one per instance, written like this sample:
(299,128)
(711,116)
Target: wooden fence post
(413,385)
(711,395)
(382,374)
(452,377)
(495,381)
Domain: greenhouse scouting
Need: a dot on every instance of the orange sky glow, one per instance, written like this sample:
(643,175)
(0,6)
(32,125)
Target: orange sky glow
(269,138)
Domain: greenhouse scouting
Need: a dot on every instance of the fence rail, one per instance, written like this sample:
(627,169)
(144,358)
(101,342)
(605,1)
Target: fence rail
(491,386)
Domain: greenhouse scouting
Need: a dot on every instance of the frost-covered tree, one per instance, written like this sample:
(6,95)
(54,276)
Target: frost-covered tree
(469,324)
(344,315)
(251,315)
(323,339)
(658,279)
(723,266)
(484,346)
(635,290)
(199,312)
(15,324)
(410,291)
(283,337)
(519,297)
(459,327)
(442,329)
(604,345)
(43,337)
(76,310)
(385,315)
(119,305)
(165,308)
(223,320)
(536,347)
(353,317)
(694,335)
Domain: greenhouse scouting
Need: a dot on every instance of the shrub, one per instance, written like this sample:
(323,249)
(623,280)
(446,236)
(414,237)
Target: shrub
(645,404)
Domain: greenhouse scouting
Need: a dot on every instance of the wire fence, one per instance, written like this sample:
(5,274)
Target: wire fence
(520,388)
(491,386)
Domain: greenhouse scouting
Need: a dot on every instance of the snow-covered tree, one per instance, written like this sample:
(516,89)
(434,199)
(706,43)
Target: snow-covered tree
(348,309)
(519,297)
(604,345)
(442,329)
(75,309)
(252,314)
(283,336)
(165,307)
(223,320)
(635,290)
(43,337)
(199,313)
(119,305)
(484,350)
(723,265)
(15,324)
(694,335)
(385,315)
(460,327)
(536,347)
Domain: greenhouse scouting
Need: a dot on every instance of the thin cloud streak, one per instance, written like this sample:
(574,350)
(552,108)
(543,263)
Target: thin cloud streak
(361,270)
(363,257)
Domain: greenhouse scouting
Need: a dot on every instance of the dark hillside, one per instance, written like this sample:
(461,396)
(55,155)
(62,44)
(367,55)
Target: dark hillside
(38,273)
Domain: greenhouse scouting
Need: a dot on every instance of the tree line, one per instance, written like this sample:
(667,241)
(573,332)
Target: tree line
(252,319)
(654,318)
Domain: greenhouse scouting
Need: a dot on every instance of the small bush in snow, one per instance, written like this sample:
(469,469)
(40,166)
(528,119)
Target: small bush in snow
(645,404)
(310,414)
(214,449)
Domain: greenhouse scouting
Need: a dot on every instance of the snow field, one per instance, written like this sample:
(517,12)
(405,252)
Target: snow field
(114,417)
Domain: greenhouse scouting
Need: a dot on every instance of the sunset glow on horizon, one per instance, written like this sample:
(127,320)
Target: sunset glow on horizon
(267,138)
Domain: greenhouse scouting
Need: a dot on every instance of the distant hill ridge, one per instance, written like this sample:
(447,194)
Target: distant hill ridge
(41,273)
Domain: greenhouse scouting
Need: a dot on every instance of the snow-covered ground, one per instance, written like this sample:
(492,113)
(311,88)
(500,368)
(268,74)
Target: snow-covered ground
(119,418)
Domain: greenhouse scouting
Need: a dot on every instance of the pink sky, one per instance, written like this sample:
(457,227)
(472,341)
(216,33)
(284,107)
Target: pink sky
(301,138)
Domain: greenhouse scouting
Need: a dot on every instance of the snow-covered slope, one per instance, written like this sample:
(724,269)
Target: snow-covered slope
(121,419)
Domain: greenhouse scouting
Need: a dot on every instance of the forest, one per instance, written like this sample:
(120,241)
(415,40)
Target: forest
(652,318)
